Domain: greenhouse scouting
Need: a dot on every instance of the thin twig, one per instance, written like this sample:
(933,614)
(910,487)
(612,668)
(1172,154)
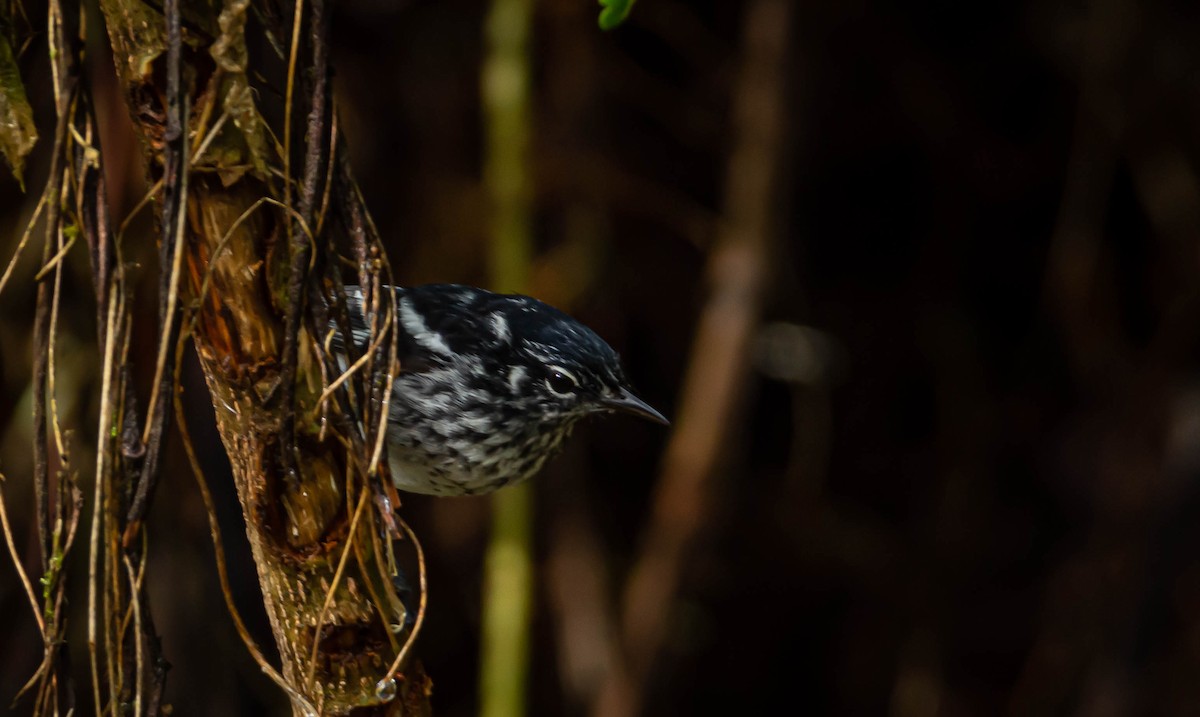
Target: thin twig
(37,213)
(137,630)
(17,563)
(103,431)
(330,168)
(92,201)
(291,341)
(41,338)
(144,202)
(416,629)
(297,14)
(301,249)
(56,259)
(316,133)
(381,374)
(174,218)
(387,614)
(210,136)
(353,368)
(51,366)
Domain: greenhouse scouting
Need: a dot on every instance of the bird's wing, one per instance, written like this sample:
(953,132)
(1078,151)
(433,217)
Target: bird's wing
(411,358)
(451,319)
(437,322)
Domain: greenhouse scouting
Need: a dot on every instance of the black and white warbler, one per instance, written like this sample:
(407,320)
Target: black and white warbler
(490,385)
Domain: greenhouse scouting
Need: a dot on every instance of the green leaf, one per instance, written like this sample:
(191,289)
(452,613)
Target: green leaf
(614,12)
(17,131)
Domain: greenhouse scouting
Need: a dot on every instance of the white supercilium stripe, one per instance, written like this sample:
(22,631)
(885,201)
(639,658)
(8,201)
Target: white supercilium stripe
(414,324)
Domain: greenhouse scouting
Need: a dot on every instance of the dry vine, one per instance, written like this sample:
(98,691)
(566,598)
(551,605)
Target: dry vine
(303,433)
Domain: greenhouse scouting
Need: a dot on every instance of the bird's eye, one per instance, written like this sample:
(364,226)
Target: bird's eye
(561,381)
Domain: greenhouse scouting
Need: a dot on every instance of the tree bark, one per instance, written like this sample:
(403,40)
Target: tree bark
(235,277)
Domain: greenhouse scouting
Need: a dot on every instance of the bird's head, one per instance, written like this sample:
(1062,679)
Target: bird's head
(534,360)
(561,367)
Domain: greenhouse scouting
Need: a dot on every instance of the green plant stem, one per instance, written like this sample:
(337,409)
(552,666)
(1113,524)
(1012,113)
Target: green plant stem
(507,601)
(508,579)
(505,87)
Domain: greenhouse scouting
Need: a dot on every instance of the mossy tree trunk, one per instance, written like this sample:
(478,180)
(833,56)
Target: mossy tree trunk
(246,279)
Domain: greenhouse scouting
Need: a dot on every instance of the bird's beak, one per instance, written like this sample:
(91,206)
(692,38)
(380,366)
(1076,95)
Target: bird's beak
(629,403)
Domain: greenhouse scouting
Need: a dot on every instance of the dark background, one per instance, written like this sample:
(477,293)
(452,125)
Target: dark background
(982,497)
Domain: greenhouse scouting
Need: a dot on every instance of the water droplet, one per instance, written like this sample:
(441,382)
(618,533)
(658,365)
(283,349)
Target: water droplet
(385,689)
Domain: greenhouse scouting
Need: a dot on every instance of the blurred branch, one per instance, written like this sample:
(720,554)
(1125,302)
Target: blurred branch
(578,591)
(1074,264)
(1086,316)
(719,365)
(1080,658)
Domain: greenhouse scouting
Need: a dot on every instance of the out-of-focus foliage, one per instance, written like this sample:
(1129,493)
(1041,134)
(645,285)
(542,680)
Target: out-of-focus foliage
(614,13)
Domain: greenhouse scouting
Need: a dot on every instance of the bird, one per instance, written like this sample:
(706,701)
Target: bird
(489,386)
